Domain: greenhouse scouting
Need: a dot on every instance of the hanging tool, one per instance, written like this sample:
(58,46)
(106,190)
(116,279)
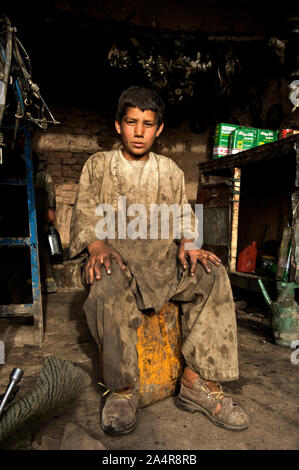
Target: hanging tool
(15,378)
(16,70)
(4,78)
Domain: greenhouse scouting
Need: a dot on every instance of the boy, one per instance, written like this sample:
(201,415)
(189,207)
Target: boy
(128,274)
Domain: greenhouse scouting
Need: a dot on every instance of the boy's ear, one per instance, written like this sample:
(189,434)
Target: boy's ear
(117,127)
(160,129)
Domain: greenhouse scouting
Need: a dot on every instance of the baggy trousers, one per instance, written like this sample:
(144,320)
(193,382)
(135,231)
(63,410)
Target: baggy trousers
(210,343)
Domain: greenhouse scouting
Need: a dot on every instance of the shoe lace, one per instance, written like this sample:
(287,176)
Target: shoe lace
(218,395)
(116,394)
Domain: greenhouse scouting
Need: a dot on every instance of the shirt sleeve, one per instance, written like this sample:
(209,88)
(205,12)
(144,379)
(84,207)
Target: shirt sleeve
(84,220)
(186,220)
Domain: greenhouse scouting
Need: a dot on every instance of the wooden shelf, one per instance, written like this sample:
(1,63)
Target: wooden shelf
(256,154)
(250,281)
(265,177)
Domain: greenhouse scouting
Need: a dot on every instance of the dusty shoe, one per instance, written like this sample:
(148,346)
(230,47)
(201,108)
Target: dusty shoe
(216,406)
(119,413)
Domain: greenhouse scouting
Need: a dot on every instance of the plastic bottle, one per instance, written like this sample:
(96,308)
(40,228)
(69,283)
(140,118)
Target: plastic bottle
(247,259)
(54,243)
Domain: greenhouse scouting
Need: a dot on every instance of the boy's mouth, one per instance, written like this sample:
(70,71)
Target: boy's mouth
(138,144)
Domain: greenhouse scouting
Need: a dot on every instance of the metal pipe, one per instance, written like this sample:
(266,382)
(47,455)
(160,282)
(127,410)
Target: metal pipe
(15,377)
(265,293)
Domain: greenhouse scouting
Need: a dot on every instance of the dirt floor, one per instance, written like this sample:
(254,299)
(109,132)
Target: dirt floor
(267,388)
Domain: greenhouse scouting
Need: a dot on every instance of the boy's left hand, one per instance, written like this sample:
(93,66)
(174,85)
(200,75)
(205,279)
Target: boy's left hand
(190,258)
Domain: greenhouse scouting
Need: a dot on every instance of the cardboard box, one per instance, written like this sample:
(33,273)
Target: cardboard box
(221,139)
(243,138)
(264,136)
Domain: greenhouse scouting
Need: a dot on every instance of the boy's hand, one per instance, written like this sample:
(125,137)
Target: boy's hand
(100,254)
(190,258)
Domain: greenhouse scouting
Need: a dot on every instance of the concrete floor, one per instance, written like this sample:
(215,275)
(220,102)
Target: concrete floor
(267,388)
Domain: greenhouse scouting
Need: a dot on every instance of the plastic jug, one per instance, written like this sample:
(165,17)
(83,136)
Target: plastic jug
(247,259)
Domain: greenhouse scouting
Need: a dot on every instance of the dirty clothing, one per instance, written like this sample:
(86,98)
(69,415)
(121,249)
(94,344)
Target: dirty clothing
(43,183)
(45,200)
(153,274)
(152,262)
(44,188)
(210,346)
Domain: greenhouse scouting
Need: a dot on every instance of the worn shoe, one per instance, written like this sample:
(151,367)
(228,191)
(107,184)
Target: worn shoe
(216,406)
(119,413)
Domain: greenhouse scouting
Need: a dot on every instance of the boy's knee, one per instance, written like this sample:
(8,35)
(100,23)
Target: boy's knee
(112,281)
(215,271)
(220,270)
(220,274)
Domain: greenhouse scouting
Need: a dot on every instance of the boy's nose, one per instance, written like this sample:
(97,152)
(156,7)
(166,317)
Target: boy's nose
(138,130)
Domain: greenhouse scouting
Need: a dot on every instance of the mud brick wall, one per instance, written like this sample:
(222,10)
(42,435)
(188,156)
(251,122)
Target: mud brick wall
(82,133)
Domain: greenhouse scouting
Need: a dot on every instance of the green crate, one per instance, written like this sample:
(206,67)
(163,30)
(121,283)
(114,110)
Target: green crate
(264,136)
(221,139)
(242,139)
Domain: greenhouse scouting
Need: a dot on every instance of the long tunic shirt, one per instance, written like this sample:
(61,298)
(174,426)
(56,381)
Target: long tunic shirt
(106,179)
(153,272)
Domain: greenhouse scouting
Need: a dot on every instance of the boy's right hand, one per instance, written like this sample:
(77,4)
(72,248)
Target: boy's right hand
(100,254)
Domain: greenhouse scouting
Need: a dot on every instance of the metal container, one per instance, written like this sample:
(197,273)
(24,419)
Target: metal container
(284,313)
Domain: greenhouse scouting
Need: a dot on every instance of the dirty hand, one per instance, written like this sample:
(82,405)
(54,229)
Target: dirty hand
(100,254)
(190,258)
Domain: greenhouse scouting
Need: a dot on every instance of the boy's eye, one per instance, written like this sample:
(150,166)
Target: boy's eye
(132,123)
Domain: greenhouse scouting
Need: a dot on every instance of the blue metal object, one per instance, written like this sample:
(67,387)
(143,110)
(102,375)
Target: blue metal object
(35,308)
(32,220)
(15,241)
(13,182)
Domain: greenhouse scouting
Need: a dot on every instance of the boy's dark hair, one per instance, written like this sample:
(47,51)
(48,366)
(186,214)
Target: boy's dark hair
(142,98)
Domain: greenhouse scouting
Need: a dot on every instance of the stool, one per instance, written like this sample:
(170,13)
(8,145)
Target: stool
(160,360)
(159,353)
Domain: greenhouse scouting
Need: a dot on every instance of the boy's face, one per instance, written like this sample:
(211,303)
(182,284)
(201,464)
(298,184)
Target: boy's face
(138,130)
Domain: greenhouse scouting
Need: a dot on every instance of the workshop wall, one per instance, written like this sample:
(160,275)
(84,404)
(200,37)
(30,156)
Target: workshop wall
(83,132)
(70,64)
